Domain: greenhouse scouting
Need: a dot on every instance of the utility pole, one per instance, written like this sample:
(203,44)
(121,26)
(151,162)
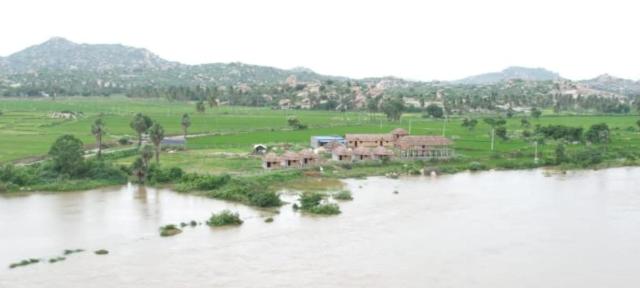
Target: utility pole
(535,157)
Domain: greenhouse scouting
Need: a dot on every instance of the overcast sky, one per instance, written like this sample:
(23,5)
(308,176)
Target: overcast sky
(422,40)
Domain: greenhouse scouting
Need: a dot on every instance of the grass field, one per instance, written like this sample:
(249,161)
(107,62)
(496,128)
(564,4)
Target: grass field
(27,130)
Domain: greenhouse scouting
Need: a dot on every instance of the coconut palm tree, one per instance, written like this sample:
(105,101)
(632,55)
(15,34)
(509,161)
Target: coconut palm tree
(156,134)
(97,129)
(140,123)
(185,122)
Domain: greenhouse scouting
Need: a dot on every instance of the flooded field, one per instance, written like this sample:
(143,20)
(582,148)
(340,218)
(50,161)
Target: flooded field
(490,229)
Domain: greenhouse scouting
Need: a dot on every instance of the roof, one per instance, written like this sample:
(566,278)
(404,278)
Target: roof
(423,140)
(290,156)
(362,151)
(271,157)
(173,141)
(328,138)
(399,131)
(259,146)
(307,153)
(333,145)
(341,151)
(369,137)
(381,151)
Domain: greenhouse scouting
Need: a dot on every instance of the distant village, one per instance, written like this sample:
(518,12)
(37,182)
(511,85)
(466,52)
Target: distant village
(360,148)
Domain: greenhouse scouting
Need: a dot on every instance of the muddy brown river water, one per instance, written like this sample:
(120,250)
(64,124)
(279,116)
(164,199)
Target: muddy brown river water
(490,229)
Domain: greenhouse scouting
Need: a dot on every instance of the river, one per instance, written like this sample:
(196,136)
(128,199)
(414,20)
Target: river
(489,229)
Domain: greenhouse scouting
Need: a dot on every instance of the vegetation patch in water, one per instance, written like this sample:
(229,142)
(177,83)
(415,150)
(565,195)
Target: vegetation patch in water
(343,195)
(268,220)
(325,209)
(224,218)
(72,251)
(24,262)
(311,202)
(56,259)
(169,230)
(101,252)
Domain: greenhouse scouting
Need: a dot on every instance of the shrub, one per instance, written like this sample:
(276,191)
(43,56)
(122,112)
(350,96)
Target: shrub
(476,166)
(169,230)
(588,157)
(325,209)
(124,141)
(265,199)
(343,195)
(224,218)
(203,182)
(309,199)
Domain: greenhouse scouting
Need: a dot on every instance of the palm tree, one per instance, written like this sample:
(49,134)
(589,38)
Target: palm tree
(146,153)
(140,124)
(185,122)
(97,129)
(156,134)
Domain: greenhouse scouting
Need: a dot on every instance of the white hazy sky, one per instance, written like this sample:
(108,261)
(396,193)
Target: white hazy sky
(423,40)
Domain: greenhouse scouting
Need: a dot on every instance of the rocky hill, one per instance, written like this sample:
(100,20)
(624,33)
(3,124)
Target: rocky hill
(608,83)
(523,73)
(60,60)
(59,54)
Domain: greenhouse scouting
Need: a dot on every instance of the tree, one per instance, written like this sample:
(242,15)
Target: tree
(156,134)
(434,110)
(97,129)
(146,153)
(501,132)
(561,155)
(185,122)
(510,112)
(598,134)
(200,106)
(67,154)
(139,169)
(469,123)
(295,123)
(140,124)
(535,113)
(524,122)
(393,108)
(638,123)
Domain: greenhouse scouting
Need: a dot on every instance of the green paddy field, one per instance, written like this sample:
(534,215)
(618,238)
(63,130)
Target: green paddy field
(222,137)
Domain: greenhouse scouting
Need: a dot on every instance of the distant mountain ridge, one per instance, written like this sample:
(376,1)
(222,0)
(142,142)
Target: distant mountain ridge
(61,54)
(62,65)
(514,72)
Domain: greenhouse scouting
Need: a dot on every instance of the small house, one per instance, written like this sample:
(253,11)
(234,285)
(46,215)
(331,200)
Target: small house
(321,141)
(399,133)
(307,157)
(369,140)
(381,153)
(429,147)
(270,161)
(362,154)
(290,159)
(341,154)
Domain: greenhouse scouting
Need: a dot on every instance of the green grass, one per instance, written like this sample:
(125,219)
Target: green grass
(27,131)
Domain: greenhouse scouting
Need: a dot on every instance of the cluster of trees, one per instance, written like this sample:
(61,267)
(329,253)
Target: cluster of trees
(597,133)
